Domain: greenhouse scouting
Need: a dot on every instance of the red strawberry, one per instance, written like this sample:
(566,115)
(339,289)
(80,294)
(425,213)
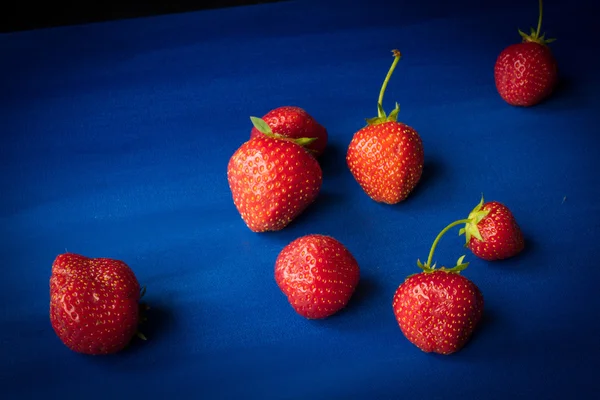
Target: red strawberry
(272,179)
(386,157)
(295,122)
(438,309)
(317,274)
(526,73)
(492,233)
(94,303)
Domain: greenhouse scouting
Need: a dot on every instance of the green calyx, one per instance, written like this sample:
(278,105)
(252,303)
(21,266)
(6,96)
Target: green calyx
(475,216)
(534,36)
(460,265)
(381,115)
(266,130)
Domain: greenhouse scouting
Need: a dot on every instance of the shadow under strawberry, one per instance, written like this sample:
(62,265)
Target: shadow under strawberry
(565,96)
(326,203)
(365,291)
(432,173)
(158,321)
(367,294)
(333,160)
(564,87)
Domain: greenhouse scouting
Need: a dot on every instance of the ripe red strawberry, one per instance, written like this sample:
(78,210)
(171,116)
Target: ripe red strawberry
(492,232)
(294,122)
(386,156)
(318,275)
(272,179)
(94,303)
(438,310)
(526,73)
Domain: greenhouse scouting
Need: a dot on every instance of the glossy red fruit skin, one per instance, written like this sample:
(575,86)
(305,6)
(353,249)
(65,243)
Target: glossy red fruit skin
(501,234)
(318,274)
(272,181)
(94,303)
(386,160)
(526,73)
(438,311)
(294,122)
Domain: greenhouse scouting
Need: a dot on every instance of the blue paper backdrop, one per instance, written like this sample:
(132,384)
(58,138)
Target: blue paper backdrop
(115,139)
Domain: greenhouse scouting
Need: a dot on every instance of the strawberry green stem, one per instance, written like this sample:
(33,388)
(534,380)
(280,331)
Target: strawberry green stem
(539,27)
(439,236)
(397,56)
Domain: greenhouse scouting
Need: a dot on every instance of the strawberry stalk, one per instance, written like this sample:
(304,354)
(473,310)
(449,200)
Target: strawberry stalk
(534,36)
(266,130)
(470,229)
(381,115)
(539,27)
(460,265)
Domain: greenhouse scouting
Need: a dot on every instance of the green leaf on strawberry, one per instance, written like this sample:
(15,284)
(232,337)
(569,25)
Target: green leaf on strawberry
(261,125)
(265,129)
(295,122)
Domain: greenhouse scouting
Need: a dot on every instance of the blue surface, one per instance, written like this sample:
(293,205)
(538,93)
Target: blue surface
(115,139)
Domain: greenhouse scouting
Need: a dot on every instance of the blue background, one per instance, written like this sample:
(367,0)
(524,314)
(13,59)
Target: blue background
(114,143)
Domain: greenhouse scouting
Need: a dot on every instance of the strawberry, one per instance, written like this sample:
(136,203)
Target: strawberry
(386,156)
(492,233)
(272,179)
(438,309)
(526,73)
(294,122)
(318,274)
(94,303)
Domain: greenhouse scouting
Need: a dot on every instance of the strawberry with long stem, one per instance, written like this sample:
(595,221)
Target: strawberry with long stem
(491,232)
(381,116)
(526,73)
(438,309)
(386,156)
